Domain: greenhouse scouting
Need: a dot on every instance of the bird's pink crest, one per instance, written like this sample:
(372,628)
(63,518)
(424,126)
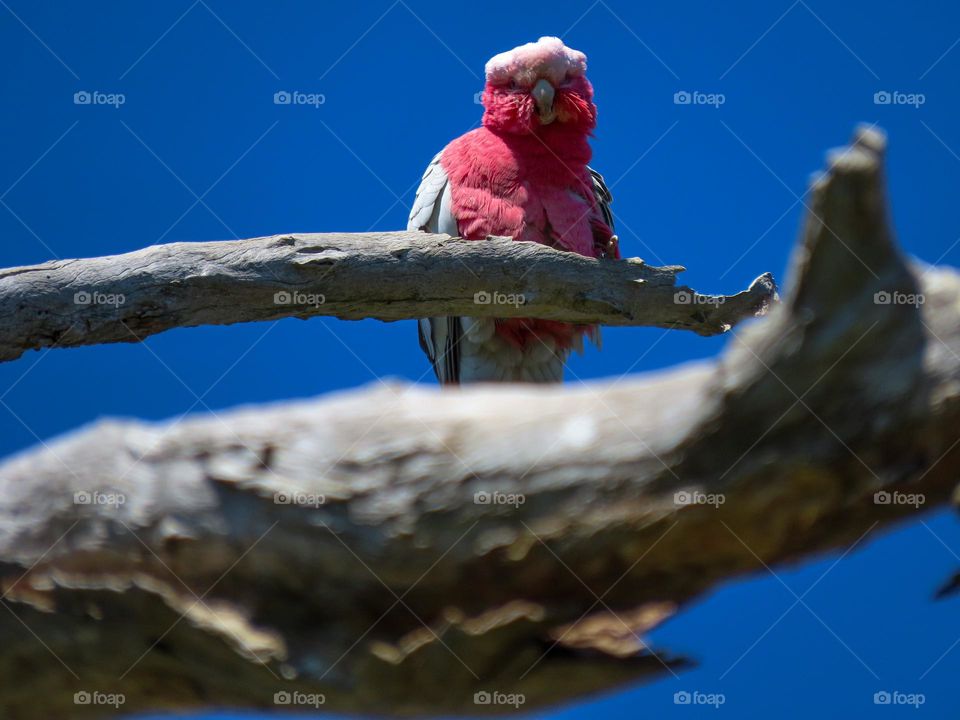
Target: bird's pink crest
(548,57)
(536,84)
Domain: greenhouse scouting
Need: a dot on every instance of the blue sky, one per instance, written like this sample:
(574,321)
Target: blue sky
(199,151)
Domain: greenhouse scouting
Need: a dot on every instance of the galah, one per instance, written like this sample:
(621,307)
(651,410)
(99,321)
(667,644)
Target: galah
(523,174)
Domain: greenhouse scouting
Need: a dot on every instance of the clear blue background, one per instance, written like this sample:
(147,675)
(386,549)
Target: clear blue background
(714,189)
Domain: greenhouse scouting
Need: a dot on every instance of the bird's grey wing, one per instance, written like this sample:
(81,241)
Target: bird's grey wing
(426,204)
(602,193)
(604,198)
(440,336)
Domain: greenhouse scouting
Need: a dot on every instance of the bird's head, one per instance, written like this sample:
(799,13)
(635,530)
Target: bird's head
(536,85)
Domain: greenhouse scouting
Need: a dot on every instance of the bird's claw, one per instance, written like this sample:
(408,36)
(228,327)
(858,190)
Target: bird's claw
(612,248)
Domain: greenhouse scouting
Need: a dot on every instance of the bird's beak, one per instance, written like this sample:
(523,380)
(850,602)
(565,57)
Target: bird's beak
(543,95)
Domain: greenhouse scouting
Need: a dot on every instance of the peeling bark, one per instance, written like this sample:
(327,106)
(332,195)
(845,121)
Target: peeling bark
(389,276)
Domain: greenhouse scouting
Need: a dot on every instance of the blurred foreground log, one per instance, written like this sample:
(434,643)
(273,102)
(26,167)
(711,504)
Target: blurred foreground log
(398,550)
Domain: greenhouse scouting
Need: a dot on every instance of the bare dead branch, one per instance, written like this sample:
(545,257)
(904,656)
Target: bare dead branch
(389,276)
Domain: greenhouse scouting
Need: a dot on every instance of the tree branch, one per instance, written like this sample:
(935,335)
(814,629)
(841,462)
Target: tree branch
(427,546)
(389,276)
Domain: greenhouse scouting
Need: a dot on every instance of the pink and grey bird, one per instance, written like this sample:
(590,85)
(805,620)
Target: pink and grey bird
(523,175)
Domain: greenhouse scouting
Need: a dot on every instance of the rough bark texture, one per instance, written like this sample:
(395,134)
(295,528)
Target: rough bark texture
(403,592)
(389,276)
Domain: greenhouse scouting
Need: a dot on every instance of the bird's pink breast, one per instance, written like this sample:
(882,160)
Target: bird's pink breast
(519,188)
(526,189)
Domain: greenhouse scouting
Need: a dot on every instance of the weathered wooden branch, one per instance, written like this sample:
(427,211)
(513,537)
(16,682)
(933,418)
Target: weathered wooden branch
(389,276)
(398,549)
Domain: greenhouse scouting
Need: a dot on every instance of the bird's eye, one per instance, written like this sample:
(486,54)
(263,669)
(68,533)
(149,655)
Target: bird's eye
(514,85)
